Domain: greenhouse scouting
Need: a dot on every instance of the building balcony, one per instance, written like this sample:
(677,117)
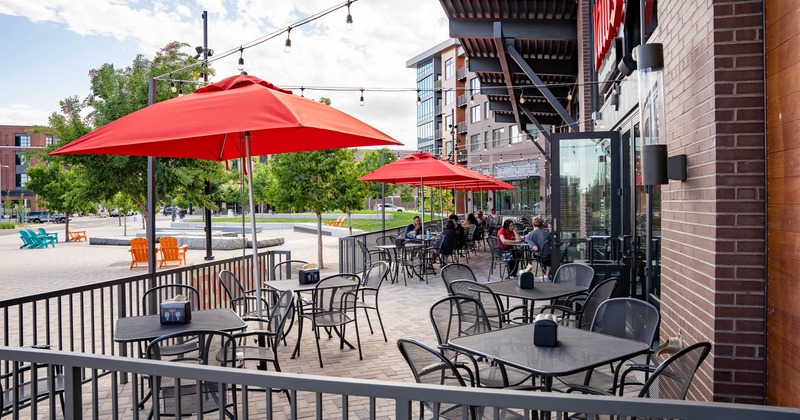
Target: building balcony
(437,110)
(463,100)
(437,85)
(462,127)
(461,73)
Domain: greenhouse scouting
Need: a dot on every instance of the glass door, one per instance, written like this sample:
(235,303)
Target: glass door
(586,197)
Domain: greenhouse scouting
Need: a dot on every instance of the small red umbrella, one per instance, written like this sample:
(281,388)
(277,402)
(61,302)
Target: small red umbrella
(417,169)
(237,117)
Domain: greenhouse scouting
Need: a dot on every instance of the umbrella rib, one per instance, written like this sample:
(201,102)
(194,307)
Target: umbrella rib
(222,149)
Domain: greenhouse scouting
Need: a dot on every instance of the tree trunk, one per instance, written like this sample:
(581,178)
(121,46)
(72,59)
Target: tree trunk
(319,241)
(349,222)
(125,229)
(66,228)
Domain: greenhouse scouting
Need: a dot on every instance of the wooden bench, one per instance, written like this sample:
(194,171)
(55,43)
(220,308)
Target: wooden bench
(77,235)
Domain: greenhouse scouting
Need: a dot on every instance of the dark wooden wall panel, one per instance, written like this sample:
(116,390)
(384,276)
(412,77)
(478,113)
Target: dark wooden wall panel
(782,40)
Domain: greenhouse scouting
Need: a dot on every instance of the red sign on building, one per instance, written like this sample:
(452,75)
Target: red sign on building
(607,18)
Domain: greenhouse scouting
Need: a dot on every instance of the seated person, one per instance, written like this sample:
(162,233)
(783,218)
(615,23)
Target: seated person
(446,243)
(506,235)
(414,229)
(537,240)
(461,234)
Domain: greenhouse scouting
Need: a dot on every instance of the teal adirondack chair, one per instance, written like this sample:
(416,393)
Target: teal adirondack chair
(42,232)
(28,241)
(43,241)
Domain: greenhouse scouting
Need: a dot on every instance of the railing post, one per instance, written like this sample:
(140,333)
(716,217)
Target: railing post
(402,409)
(73,404)
(121,312)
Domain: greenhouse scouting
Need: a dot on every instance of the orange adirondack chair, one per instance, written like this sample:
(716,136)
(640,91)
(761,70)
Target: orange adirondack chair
(171,253)
(138,252)
(77,235)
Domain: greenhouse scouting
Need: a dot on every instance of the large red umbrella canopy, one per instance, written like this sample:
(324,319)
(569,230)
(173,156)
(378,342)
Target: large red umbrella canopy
(420,168)
(208,124)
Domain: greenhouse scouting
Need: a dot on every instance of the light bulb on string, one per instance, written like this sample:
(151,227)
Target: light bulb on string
(302,94)
(419,100)
(349,21)
(180,88)
(471,98)
(521,99)
(287,46)
(241,59)
(361,100)
(172,86)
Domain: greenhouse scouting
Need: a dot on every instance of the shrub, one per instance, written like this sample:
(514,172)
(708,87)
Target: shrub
(7,225)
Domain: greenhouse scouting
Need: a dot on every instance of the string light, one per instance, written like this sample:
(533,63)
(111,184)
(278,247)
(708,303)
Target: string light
(180,88)
(172,86)
(419,100)
(471,98)
(241,59)
(287,46)
(361,100)
(302,94)
(349,21)
(521,99)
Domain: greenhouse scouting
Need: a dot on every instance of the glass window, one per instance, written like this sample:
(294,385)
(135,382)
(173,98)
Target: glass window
(474,142)
(475,114)
(425,133)
(475,85)
(448,68)
(48,140)
(20,160)
(448,122)
(22,179)
(487,113)
(22,140)
(485,140)
(449,97)
(424,68)
(425,110)
(513,134)
(523,199)
(498,137)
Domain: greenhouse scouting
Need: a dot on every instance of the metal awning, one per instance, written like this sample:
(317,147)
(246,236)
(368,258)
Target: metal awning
(525,47)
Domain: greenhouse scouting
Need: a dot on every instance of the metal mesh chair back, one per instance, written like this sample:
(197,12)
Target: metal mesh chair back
(492,305)
(152,297)
(629,318)
(455,271)
(231,284)
(672,378)
(457,316)
(284,269)
(335,299)
(204,347)
(280,312)
(375,275)
(430,367)
(575,274)
(598,295)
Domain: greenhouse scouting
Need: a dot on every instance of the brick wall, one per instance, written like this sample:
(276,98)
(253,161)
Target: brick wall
(713,225)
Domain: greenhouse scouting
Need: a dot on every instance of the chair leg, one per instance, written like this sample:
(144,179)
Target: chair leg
(380,321)
(319,352)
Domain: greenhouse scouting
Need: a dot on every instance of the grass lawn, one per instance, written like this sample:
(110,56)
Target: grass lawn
(369,225)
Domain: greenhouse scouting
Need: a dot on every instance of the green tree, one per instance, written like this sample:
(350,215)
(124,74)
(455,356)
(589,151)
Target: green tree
(114,94)
(372,161)
(307,180)
(350,191)
(61,188)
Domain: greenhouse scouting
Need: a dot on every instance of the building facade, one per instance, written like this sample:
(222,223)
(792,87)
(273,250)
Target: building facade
(14,142)
(721,238)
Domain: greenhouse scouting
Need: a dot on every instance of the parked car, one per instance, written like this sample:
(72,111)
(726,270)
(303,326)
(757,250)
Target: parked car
(390,207)
(45,217)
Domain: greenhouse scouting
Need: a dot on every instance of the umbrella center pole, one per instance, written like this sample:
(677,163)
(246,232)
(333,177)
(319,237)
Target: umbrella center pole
(256,271)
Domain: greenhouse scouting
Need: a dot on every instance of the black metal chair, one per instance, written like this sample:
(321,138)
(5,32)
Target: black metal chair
(458,316)
(267,334)
(190,397)
(370,287)
(371,254)
(31,383)
(496,311)
(582,318)
(242,301)
(497,258)
(455,271)
(153,296)
(332,309)
(284,269)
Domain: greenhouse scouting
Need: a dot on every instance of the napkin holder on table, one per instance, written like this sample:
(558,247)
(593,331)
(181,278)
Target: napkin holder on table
(309,274)
(545,330)
(177,310)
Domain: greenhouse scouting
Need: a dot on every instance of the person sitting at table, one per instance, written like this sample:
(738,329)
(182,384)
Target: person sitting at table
(414,229)
(461,234)
(446,243)
(505,236)
(537,239)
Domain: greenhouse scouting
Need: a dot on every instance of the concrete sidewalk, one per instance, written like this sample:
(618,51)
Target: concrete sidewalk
(30,271)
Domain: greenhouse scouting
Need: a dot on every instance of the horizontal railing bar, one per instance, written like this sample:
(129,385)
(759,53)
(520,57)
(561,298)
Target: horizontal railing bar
(407,391)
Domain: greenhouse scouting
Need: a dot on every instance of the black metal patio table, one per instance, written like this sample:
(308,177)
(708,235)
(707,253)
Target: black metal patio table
(293,284)
(577,350)
(148,327)
(541,291)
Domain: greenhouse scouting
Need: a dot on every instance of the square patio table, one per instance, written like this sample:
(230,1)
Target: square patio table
(541,291)
(294,284)
(577,350)
(149,327)
(394,259)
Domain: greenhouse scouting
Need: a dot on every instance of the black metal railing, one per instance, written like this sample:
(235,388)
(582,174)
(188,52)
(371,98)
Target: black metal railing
(326,397)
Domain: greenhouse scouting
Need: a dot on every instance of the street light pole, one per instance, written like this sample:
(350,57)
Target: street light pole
(1,187)
(207,211)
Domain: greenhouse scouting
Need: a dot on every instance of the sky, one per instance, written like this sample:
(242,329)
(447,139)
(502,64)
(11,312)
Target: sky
(51,45)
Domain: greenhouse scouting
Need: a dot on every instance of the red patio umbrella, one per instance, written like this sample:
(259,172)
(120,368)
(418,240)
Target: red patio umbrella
(417,169)
(237,117)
